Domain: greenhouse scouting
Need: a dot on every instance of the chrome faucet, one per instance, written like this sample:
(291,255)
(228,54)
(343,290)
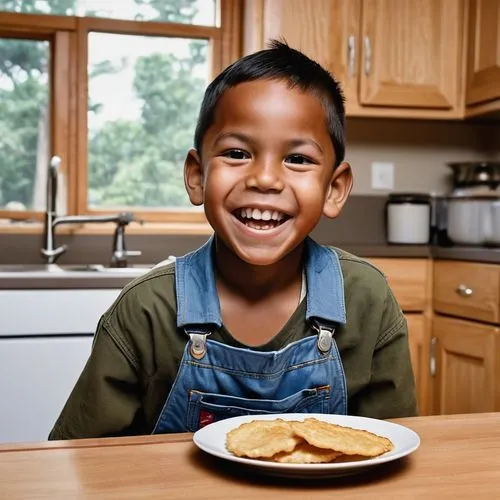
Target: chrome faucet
(51,252)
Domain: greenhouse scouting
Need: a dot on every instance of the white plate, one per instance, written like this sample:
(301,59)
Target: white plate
(212,439)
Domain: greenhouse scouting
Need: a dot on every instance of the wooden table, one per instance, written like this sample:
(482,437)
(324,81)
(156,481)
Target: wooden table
(459,457)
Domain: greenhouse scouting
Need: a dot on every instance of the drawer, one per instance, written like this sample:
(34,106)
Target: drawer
(467,290)
(53,312)
(409,281)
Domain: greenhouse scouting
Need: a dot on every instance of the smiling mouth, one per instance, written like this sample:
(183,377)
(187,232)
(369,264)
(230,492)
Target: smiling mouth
(260,219)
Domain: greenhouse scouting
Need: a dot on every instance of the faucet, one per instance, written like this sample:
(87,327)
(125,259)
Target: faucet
(51,221)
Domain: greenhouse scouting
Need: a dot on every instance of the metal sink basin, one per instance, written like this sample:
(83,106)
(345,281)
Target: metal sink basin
(98,268)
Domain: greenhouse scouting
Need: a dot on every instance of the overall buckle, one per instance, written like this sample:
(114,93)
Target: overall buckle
(198,347)
(198,341)
(325,336)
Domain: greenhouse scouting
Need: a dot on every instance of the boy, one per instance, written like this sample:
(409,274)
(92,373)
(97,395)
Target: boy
(253,321)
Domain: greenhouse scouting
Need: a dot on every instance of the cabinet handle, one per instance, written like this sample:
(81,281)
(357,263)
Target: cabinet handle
(351,45)
(464,291)
(432,358)
(368,55)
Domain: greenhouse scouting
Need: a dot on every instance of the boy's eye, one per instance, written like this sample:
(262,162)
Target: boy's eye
(236,154)
(298,159)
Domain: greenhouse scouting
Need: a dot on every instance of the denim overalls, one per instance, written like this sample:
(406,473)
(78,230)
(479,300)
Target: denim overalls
(217,381)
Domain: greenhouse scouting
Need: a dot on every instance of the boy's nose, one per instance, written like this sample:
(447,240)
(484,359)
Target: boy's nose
(265,175)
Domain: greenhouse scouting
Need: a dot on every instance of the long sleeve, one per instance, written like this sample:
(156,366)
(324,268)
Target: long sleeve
(390,392)
(106,397)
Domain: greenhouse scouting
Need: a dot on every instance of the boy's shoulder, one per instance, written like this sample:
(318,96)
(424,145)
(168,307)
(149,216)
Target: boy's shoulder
(363,281)
(156,284)
(354,266)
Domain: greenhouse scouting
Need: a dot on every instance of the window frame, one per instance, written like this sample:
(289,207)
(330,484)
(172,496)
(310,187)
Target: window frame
(58,31)
(68,36)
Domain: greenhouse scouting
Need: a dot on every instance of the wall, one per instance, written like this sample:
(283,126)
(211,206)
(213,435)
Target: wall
(419,149)
(360,223)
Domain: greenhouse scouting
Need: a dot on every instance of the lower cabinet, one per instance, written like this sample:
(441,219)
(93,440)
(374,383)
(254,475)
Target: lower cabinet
(410,281)
(37,375)
(418,336)
(465,361)
(45,341)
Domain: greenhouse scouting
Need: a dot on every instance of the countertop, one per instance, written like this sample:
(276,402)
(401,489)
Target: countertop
(32,277)
(36,277)
(475,254)
(459,457)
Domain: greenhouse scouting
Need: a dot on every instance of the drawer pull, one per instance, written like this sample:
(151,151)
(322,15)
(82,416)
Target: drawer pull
(432,358)
(464,291)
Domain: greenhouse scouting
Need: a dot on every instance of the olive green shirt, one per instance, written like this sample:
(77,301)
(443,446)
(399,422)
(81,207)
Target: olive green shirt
(138,348)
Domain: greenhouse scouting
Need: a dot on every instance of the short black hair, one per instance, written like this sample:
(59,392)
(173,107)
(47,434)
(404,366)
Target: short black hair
(279,62)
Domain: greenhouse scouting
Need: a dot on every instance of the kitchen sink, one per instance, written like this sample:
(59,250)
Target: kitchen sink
(98,268)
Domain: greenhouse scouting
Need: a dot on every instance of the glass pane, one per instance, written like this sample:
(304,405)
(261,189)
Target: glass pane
(178,11)
(144,97)
(24,123)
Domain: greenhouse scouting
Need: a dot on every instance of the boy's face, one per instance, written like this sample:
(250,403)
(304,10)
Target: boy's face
(266,172)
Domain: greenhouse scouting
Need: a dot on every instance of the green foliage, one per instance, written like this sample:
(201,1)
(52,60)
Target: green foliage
(23,103)
(131,163)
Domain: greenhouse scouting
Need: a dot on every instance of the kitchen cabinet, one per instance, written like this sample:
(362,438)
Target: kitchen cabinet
(465,343)
(468,290)
(401,58)
(467,361)
(410,281)
(483,72)
(37,375)
(45,340)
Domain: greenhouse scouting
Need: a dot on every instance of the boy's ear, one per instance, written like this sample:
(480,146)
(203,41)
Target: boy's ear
(338,191)
(193,177)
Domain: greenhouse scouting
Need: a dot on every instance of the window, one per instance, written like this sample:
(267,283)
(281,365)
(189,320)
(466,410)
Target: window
(113,87)
(24,122)
(136,151)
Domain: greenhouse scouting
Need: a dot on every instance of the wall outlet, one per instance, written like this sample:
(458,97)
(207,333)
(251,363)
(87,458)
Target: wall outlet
(382,175)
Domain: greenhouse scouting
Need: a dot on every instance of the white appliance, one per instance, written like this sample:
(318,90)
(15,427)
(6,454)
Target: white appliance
(45,340)
(408,217)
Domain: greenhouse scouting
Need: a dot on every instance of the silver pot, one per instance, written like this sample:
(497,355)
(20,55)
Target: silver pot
(474,220)
(475,173)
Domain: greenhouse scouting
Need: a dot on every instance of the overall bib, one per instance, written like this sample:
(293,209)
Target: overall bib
(217,381)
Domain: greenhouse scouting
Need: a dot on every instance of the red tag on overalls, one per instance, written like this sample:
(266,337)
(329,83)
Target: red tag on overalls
(206,418)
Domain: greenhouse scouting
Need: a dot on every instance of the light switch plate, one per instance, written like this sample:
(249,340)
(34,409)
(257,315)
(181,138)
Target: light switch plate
(382,175)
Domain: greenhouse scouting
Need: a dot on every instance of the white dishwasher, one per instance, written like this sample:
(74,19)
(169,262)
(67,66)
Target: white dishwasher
(45,340)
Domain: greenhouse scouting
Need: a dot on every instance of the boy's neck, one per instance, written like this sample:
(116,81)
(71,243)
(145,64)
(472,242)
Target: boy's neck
(256,282)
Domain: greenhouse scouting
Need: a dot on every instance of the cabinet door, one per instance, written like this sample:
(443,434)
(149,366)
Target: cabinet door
(37,375)
(418,337)
(467,356)
(412,53)
(325,30)
(484,52)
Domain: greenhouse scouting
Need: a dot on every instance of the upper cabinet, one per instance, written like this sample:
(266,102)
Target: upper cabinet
(401,58)
(410,55)
(326,30)
(483,72)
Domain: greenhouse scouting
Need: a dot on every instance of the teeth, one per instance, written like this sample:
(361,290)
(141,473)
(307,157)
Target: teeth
(256,214)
